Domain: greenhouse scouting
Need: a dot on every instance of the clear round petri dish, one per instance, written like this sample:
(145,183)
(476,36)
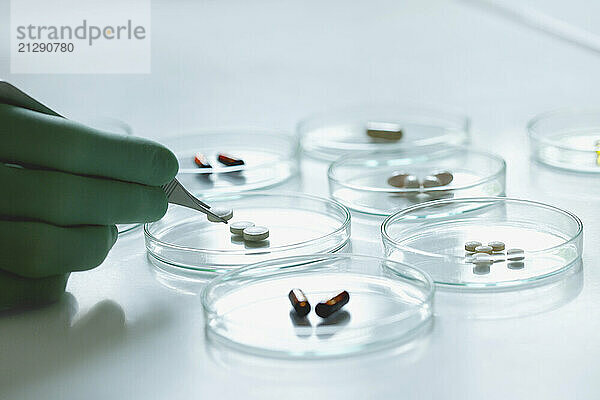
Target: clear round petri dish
(432,236)
(360,181)
(270,158)
(567,139)
(331,135)
(249,309)
(298,224)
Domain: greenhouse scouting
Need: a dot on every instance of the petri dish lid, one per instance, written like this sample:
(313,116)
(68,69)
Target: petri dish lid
(568,139)
(270,158)
(298,224)
(360,181)
(249,309)
(330,135)
(432,236)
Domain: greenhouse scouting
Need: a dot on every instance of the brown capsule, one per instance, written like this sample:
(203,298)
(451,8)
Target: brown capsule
(326,308)
(397,180)
(299,302)
(412,182)
(229,160)
(384,130)
(444,177)
(201,161)
(431,181)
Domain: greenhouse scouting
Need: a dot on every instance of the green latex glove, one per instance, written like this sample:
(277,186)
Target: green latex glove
(58,212)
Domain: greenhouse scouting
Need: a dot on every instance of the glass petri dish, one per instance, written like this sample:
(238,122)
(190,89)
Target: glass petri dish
(432,236)
(329,136)
(249,309)
(298,224)
(360,182)
(270,158)
(567,139)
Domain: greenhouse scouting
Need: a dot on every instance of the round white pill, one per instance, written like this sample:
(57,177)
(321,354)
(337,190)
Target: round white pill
(497,246)
(224,213)
(256,233)
(431,181)
(483,249)
(470,246)
(515,254)
(237,228)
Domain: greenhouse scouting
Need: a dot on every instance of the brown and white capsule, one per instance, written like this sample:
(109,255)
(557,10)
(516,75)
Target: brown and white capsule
(201,161)
(326,308)
(444,177)
(229,160)
(384,130)
(431,181)
(299,302)
(397,180)
(412,182)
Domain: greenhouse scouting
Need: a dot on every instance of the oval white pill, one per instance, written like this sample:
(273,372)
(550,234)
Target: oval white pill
(224,213)
(237,228)
(256,233)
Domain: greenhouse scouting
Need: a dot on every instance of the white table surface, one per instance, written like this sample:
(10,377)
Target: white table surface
(119,333)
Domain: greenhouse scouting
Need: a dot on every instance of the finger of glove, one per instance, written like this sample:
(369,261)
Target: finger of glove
(29,137)
(19,292)
(36,250)
(66,199)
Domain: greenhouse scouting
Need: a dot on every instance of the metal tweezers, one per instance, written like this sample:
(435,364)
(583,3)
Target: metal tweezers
(176,193)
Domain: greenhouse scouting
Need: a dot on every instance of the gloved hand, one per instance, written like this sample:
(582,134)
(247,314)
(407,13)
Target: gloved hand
(63,187)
